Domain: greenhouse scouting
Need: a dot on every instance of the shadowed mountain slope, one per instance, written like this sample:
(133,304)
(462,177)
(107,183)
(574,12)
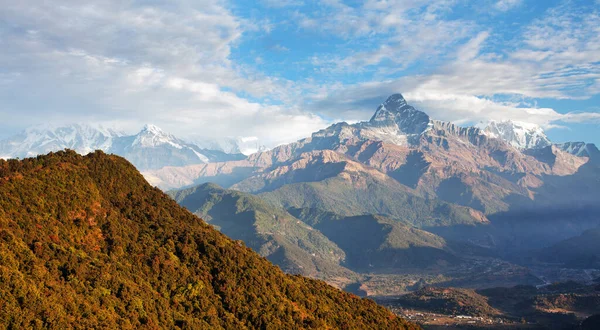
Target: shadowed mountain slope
(376,242)
(577,252)
(313,242)
(271,231)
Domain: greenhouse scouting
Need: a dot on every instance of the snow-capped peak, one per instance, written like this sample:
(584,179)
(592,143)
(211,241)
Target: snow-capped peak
(395,102)
(580,149)
(518,134)
(152,136)
(396,112)
(153,129)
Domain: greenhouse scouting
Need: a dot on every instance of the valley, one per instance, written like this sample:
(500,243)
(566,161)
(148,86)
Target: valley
(556,306)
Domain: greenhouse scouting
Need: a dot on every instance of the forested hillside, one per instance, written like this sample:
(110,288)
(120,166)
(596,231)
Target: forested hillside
(85,242)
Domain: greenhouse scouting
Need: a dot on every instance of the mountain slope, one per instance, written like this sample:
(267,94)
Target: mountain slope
(581,149)
(331,182)
(374,242)
(271,231)
(321,242)
(449,301)
(402,159)
(462,165)
(578,252)
(86,241)
(152,148)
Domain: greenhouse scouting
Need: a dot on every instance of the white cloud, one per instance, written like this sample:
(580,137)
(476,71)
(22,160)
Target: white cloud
(505,5)
(129,63)
(282,3)
(407,32)
(557,59)
(358,102)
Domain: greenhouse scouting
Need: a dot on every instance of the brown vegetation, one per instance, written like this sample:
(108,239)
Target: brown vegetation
(85,242)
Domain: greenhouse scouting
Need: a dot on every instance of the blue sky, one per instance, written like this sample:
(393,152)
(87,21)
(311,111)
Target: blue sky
(279,70)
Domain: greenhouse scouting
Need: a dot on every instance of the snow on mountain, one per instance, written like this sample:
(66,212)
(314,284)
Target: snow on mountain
(394,122)
(43,139)
(518,134)
(405,142)
(151,136)
(396,114)
(581,149)
(151,148)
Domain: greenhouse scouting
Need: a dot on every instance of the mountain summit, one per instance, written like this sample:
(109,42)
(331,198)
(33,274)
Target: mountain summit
(153,129)
(152,136)
(468,166)
(395,111)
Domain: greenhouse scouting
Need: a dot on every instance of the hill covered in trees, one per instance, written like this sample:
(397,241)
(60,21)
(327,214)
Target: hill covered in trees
(85,242)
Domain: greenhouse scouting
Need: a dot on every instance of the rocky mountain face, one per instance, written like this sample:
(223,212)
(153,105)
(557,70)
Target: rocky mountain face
(395,121)
(86,242)
(151,148)
(507,169)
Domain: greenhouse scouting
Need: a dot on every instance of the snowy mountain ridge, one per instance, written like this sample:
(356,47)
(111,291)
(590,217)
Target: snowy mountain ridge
(36,140)
(151,148)
(518,134)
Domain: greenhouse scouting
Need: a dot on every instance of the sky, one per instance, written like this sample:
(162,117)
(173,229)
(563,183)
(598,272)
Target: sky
(282,69)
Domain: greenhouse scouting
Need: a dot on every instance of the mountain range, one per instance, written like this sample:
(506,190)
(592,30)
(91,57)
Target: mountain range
(151,148)
(429,156)
(406,193)
(503,188)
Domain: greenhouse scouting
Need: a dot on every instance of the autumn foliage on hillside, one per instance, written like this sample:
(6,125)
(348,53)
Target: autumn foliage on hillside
(85,242)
